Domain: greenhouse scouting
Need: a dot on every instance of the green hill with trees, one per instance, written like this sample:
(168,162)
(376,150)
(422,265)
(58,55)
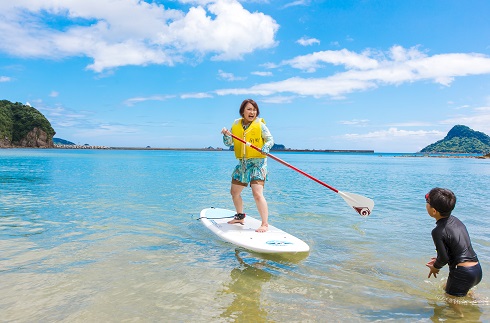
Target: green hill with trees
(59,141)
(461,139)
(24,126)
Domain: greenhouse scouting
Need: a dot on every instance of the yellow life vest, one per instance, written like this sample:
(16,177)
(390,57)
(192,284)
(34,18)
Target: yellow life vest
(253,135)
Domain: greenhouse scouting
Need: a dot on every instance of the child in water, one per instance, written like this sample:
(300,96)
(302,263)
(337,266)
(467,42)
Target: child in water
(453,245)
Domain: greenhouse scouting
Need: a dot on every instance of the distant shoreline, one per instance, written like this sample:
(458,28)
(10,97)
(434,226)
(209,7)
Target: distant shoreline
(289,150)
(221,149)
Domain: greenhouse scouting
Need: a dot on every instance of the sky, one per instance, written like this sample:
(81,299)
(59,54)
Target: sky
(388,76)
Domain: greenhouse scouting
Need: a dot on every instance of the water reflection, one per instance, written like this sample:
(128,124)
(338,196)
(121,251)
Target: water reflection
(254,270)
(449,311)
(245,286)
(447,308)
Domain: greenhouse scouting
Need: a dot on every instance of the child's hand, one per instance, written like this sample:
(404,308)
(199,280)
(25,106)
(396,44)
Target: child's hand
(433,270)
(225,132)
(432,261)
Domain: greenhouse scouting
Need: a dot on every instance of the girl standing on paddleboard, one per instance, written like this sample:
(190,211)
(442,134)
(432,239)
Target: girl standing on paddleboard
(252,164)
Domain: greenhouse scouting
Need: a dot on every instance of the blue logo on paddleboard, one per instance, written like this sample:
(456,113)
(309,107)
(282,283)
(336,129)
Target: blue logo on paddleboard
(278,242)
(215,224)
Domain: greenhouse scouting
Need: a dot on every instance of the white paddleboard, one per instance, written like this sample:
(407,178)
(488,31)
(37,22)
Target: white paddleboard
(273,241)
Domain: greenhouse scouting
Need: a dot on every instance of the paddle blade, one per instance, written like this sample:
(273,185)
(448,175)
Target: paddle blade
(361,204)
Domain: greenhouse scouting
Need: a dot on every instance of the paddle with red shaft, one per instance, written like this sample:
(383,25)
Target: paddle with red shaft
(362,205)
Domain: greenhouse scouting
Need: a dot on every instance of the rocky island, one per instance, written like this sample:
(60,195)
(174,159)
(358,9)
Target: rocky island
(460,140)
(24,126)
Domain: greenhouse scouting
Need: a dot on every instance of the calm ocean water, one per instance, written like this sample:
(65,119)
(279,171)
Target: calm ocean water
(113,236)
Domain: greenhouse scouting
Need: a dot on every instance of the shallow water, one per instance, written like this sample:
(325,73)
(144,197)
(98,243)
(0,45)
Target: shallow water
(93,235)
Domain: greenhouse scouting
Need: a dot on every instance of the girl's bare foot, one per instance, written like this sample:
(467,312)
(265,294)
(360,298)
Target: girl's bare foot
(263,228)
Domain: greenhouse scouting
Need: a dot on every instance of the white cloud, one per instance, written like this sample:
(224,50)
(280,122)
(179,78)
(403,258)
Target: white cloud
(103,130)
(411,124)
(229,76)
(392,133)
(395,140)
(270,65)
(137,33)
(477,119)
(369,70)
(296,3)
(316,87)
(355,122)
(61,117)
(304,41)
(232,33)
(5,79)
(262,73)
(465,106)
(196,96)
(279,99)
(133,101)
(311,62)
(54,94)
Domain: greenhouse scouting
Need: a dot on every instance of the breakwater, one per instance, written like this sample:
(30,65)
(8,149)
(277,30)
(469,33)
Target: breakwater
(357,151)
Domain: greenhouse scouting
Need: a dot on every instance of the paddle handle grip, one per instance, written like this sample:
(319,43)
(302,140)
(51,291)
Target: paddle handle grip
(287,164)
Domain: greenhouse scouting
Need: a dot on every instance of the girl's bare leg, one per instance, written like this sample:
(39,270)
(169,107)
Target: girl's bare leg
(258,193)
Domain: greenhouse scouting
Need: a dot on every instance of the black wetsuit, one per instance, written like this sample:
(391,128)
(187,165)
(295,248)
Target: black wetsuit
(453,246)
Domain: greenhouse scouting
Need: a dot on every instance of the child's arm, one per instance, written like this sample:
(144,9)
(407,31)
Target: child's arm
(442,253)
(269,140)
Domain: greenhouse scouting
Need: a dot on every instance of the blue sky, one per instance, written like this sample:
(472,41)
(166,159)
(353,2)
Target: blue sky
(391,76)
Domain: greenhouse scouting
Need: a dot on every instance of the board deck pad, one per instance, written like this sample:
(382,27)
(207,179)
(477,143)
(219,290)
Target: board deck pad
(273,241)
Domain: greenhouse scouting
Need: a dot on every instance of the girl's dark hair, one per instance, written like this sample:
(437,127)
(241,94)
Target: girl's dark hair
(443,200)
(252,102)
